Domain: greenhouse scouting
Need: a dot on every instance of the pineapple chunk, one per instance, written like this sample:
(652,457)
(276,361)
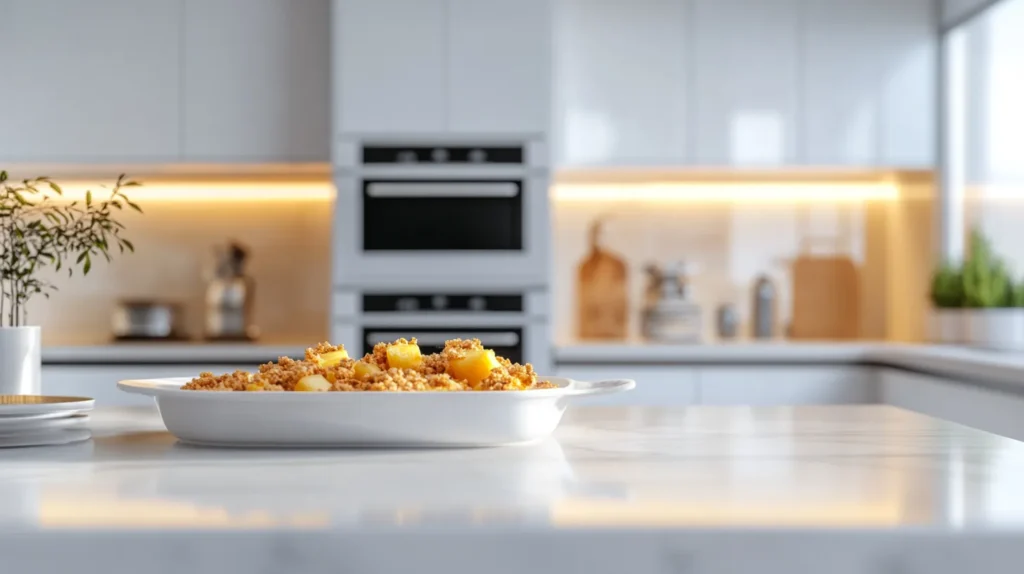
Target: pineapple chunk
(364,371)
(313,383)
(255,387)
(404,356)
(333,358)
(474,367)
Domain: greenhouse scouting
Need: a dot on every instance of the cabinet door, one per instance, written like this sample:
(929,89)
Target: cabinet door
(390,60)
(100,381)
(90,81)
(257,80)
(499,65)
(746,59)
(785,385)
(869,89)
(621,67)
(655,386)
(966,403)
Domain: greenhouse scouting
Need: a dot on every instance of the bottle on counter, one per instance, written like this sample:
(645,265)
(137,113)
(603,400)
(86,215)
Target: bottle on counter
(601,292)
(669,316)
(765,302)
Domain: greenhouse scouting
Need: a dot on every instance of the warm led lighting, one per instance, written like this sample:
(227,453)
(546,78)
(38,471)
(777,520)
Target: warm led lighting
(726,192)
(193,192)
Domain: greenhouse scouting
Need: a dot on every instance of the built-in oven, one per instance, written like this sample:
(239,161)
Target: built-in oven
(451,212)
(514,324)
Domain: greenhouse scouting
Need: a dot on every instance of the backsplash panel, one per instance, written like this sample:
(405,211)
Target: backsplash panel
(289,259)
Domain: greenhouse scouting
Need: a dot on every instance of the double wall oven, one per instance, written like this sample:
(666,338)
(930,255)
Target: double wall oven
(440,240)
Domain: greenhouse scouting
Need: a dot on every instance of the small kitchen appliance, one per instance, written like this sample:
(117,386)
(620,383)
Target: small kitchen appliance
(669,316)
(229,297)
(146,320)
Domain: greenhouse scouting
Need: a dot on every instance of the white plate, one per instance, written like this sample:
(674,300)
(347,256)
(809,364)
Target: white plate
(347,419)
(16,425)
(20,405)
(45,438)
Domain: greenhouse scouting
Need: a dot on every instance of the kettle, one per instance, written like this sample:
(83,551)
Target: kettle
(229,296)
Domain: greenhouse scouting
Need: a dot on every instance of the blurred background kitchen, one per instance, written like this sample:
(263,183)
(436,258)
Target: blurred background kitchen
(620,171)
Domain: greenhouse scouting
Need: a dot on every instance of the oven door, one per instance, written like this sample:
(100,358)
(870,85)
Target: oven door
(506,342)
(425,232)
(442,215)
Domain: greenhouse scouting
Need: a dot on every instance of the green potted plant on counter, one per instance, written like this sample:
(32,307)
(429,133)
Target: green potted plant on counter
(41,230)
(992,320)
(947,317)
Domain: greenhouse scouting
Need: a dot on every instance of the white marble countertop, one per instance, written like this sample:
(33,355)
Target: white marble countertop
(703,489)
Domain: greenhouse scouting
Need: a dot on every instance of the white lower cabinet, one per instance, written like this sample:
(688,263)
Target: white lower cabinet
(668,385)
(787,385)
(987,409)
(100,381)
(655,385)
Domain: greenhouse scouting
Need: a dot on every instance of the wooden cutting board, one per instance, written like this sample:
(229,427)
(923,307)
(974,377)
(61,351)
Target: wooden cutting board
(601,293)
(826,298)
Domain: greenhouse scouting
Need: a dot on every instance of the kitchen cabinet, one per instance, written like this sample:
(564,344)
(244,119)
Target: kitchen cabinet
(442,66)
(622,89)
(655,385)
(869,83)
(969,404)
(256,81)
(499,70)
(770,385)
(94,81)
(100,381)
(389,66)
(746,82)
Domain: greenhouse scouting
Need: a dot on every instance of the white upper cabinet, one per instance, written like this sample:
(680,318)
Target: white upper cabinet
(621,73)
(435,66)
(89,81)
(256,83)
(390,60)
(499,66)
(869,91)
(746,82)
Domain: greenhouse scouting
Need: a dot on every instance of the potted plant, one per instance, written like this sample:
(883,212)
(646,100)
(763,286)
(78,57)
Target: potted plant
(947,294)
(38,230)
(989,295)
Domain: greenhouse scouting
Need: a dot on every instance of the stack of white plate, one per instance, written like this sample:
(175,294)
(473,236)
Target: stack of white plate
(35,420)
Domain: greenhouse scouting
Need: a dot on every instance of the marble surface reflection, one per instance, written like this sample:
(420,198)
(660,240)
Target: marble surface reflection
(842,466)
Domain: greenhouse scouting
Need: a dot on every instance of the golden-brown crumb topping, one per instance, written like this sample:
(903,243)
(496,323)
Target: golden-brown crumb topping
(435,372)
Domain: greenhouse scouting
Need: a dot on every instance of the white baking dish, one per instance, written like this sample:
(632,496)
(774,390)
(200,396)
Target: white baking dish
(367,419)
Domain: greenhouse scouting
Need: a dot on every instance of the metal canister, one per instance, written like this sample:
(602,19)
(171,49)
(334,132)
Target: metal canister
(765,301)
(727,321)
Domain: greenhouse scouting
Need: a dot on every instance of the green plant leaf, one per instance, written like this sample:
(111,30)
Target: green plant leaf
(56,188)
(3,175)
(88,264)
(88,198)
(129,245)
(134,206)
(82,256)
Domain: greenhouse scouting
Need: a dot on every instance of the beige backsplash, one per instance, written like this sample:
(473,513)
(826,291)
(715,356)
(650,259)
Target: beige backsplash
(289,258)
(728,244)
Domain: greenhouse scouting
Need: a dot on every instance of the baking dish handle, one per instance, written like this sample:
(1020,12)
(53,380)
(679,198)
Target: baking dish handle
(580,388)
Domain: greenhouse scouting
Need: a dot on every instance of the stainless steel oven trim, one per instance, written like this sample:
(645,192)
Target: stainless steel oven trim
(394,189)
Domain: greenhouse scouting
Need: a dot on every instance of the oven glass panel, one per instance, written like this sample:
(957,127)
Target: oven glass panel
(462,215)
(506,343)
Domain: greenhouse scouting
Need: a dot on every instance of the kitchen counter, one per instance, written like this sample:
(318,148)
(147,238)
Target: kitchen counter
(700,489)
(1001,370)
(169,353)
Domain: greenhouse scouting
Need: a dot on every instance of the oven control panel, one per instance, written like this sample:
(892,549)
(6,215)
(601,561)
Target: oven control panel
(440,302)
(442,155)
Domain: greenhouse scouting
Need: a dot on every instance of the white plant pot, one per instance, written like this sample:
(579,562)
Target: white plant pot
(19,361)
(999,329)
(947,326)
